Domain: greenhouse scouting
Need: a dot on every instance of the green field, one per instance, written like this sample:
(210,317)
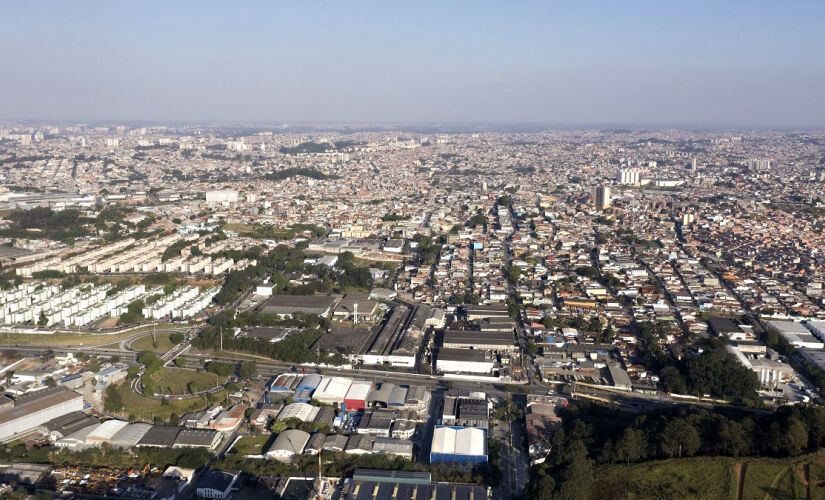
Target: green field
(146,409)
(176,380)
(253,445)
(145,343)
(706,478)
(715,478)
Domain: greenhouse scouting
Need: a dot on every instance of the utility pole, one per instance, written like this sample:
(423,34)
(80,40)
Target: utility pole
(320,481)
(221,338)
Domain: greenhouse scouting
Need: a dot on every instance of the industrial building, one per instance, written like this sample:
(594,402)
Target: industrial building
(465,445)
(356,397)
(371,484)
(28,412)
(287,305)
(332,390)
(463,361)
(492,341)
(474,312)
(797,335)
(392,343)
(287,445)
(222,196)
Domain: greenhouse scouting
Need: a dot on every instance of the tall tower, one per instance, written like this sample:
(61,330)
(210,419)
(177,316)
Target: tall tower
(601,197)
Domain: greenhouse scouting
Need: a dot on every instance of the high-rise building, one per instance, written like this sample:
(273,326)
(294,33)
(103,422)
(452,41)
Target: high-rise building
(628,176)
(693,163)
(601,197)
(755,165)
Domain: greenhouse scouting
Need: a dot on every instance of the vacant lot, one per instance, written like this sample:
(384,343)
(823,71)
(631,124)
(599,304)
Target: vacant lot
(708,478)
(253,445)
(147,409)
(716,478)
(177,380)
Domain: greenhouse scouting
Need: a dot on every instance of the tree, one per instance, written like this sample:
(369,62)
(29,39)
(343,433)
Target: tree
(672,381)
(631,446)
(50,382)
(220,368)
(679,438)
(180,362)
(113,401)
(577,475)
(176,338)
(247,370)
(42,320)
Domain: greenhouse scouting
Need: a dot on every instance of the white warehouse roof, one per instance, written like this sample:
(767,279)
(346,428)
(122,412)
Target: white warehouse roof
(106,431)
(359,390)
(467,441)
(130,435)
(302,411)
(332,389)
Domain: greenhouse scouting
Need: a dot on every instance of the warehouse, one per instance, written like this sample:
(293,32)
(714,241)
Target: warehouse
(393,447)
(286,382)
(418,398)
(489,311)
(161,436)
(197,438)
(379,396)
(32,410)
(332,390)
(76,441)
(356,398)
(368,484)
(464,339)
(796,334)
(309,382)
(314,444)
(463,361)
(286,305)
(501,325)
(356,303)
(130,435)
(459,444)
(398,397)
(384,341)
(302,411)
(63,426)
(334,443)
(105,432)
(326,415)
(288,444)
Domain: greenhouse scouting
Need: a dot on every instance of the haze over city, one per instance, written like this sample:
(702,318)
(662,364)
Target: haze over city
(698,64)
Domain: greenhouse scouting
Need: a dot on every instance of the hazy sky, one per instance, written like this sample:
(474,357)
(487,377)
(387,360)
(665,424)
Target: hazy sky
(716,63)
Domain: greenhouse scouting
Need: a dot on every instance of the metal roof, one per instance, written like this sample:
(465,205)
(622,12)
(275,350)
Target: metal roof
(130,435)
(291,441)
(107,430)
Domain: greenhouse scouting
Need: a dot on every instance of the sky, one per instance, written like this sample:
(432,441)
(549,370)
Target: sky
(658,63)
